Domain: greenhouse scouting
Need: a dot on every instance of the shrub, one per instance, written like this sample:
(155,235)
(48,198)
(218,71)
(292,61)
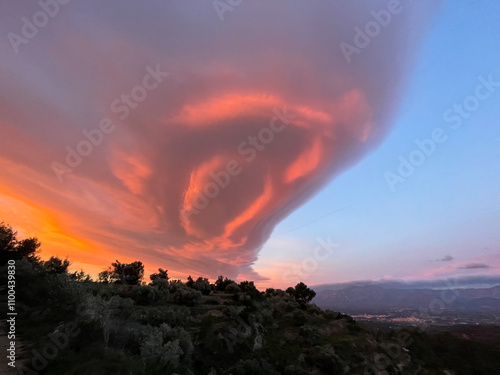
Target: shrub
(153,348)
(145,295)
(299,318)
(187,297)
(221,283)
(232,288)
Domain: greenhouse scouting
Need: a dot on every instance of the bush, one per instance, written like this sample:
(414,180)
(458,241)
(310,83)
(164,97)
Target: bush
(221,283)
(153,349)
(146,295)
(299,318)
(178,333)
(232,288)
(249,288)
(158,315)
(187,297)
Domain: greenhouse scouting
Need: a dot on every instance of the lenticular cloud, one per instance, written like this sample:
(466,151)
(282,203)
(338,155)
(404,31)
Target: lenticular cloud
(254,111)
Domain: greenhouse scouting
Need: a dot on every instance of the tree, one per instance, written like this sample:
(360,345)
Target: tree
(232,288)
(190,282)
(12,249)
(162,274)
(56,265)
(249,288)
(80,276)
(105,276)
(123,273)
(201,284)
(302,293)
(221,283)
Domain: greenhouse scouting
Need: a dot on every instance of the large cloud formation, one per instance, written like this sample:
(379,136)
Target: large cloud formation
(263,103)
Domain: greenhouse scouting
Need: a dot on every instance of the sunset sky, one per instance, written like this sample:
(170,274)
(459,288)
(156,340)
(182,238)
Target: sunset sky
(277,141)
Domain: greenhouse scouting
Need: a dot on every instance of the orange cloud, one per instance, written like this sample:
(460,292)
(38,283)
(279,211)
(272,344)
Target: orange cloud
(134,195)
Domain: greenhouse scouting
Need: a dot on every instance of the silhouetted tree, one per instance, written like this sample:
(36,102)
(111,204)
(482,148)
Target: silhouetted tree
(80,276)
(162,274)
(123,273)
(56,265)
(190,282)
(232,288)
(249,288)
(105,276)
(203,285)
(221,283)
(302,293)
(12,249)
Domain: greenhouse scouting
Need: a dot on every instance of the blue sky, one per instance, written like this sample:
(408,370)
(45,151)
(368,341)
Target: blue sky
(448,206)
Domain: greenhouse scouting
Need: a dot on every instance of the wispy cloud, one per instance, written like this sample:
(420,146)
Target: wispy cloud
(446,258)
(472,266)
(133,195)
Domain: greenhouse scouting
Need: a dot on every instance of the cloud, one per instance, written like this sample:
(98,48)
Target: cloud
(484,281)
(472,266)
(256,115)
(446,258)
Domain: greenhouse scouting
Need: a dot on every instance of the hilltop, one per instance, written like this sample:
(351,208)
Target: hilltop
(72,325)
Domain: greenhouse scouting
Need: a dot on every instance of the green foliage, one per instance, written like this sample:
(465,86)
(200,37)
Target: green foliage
(146,295)
(161,284)
(164,328)
(187,297)
(299,318)
(232,288)
(201,284)
(156,348)
(249,288)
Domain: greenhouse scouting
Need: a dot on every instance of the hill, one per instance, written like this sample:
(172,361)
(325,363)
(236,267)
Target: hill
(168,327)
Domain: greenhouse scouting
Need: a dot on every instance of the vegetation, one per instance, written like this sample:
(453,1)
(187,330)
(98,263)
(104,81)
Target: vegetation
(122,325)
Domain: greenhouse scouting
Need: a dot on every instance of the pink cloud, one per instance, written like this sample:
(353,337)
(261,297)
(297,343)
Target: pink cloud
(135,194)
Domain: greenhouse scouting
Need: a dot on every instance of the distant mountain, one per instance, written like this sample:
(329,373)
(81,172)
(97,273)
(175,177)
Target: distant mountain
(375,297)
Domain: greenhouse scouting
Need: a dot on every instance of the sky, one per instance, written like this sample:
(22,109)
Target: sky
(276,142)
